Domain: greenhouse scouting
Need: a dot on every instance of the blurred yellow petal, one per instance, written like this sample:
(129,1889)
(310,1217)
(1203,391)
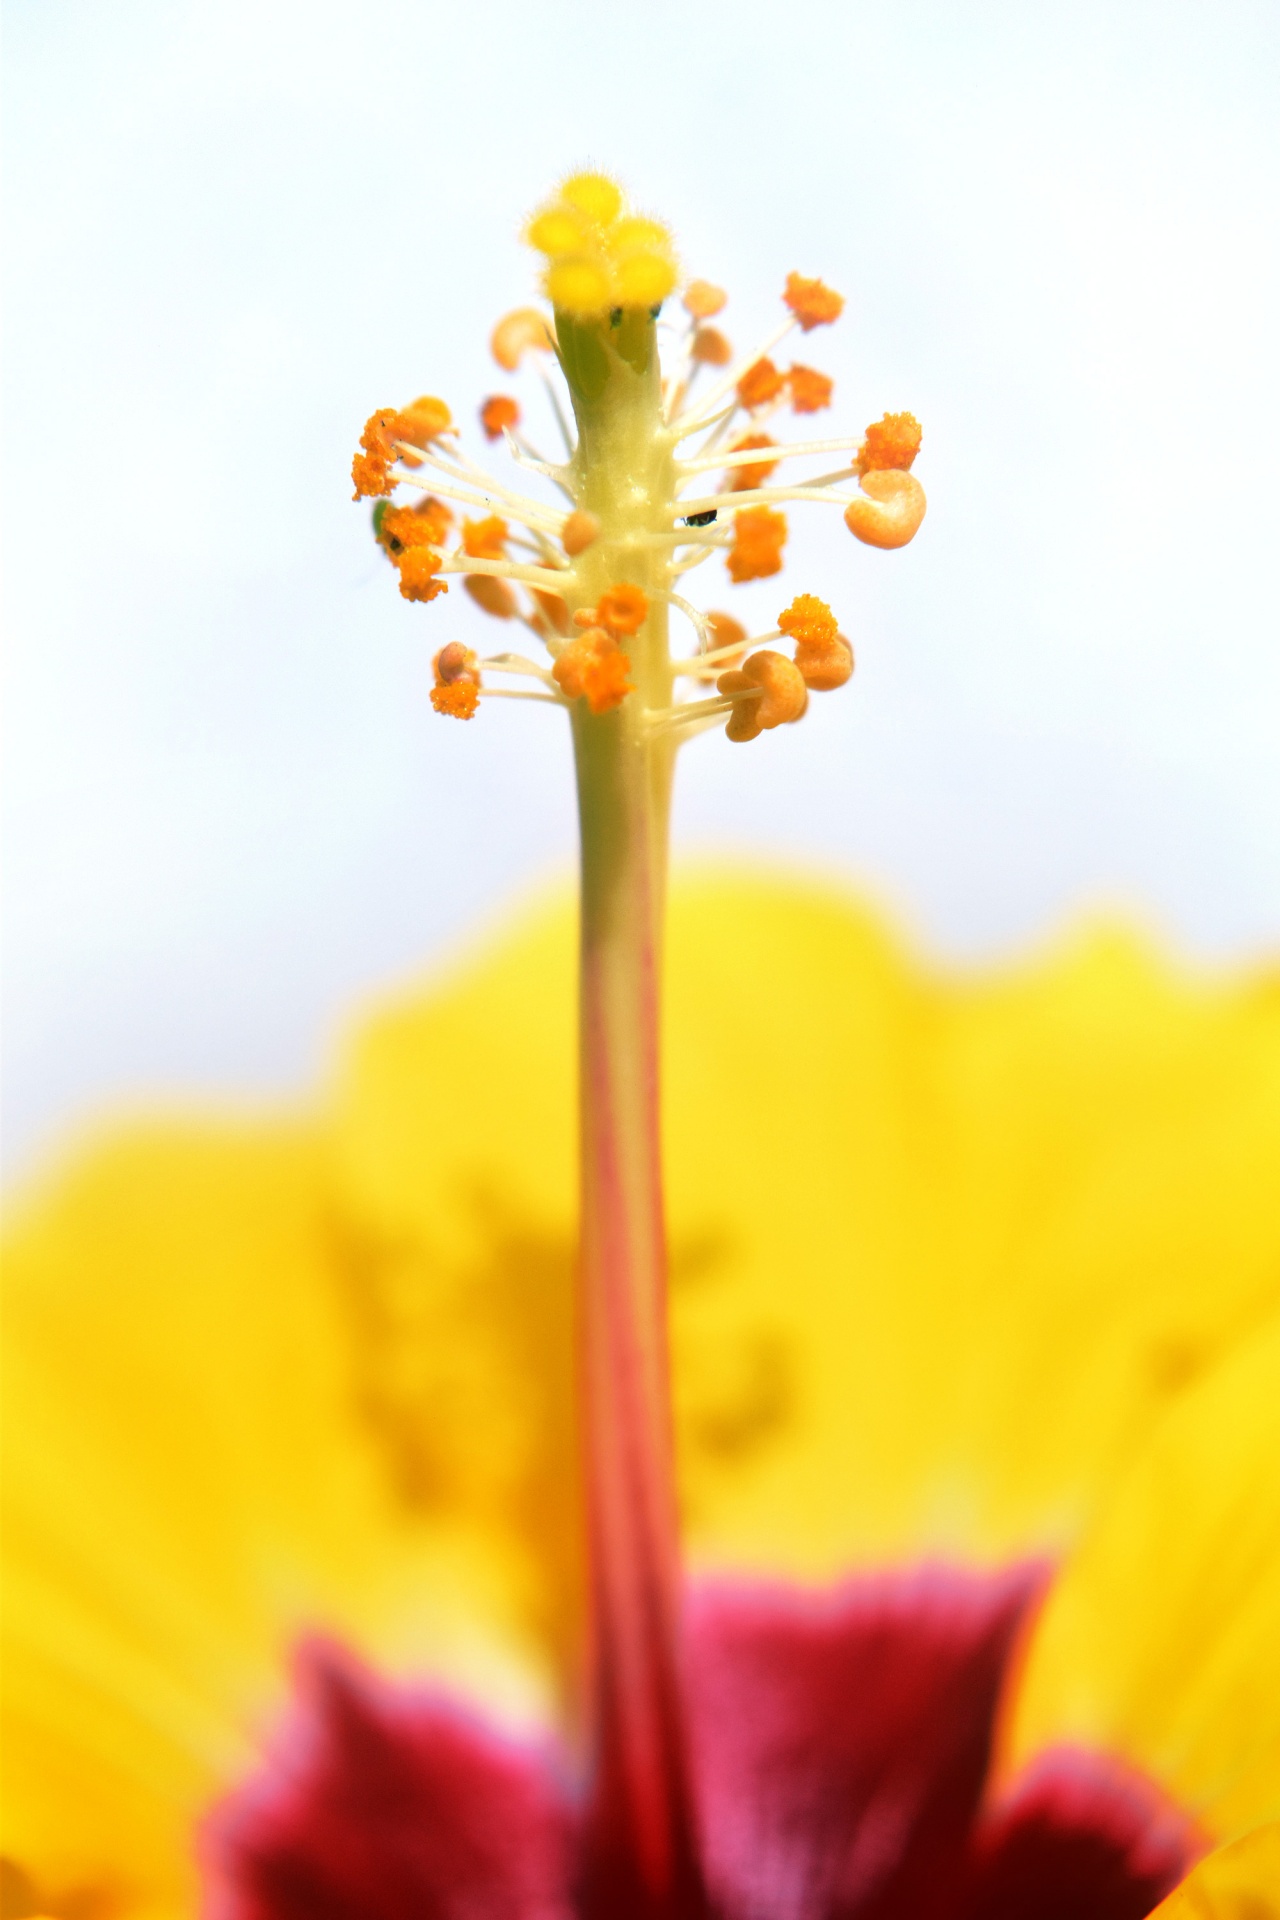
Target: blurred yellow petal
(1239,1882)
(943,1252)
(190,1482)
(942,1249)
(1162,1641)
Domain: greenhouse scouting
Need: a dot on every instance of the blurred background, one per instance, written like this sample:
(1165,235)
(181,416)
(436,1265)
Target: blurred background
(233,230)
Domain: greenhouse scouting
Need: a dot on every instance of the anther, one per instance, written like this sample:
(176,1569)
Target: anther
(418,569)
(580,531)
(593,667)
(726,638)
(742,479)
(622,609)
(812,303)
(517,332)
(760,384)
(711,347)
(767,691)
(810,390)
(499,414)
(492,595)
(703,300)
(890,511)
(892,443)
(759,534)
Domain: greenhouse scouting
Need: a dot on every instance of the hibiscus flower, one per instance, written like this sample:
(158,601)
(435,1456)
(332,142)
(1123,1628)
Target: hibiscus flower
(346,1573)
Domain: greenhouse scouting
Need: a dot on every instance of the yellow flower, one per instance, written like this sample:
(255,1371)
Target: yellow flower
(965,1269)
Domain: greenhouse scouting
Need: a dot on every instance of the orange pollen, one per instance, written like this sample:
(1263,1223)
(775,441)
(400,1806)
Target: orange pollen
(418,568)
(485,539)
(813,303)
(404,527)
(759,535)
(755,473)
(457,698)
(437,515)
(891,444)
(711,347)
(622,610)
(593,667)
(498,412)
(808,621)
(810,390)
(760,384)
(702,299)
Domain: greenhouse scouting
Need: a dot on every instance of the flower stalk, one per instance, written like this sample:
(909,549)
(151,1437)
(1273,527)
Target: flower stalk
(641,1856)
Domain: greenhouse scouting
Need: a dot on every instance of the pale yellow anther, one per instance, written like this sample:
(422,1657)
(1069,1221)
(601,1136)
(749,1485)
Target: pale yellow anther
(891,510)
(703,300)
(581,530)
(517,332)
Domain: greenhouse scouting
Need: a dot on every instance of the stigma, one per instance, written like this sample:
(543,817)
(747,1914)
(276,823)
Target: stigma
(589,558)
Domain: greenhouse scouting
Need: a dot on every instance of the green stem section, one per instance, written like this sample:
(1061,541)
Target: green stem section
(641,1858)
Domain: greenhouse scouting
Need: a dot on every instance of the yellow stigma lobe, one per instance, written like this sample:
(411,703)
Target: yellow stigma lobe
(599,255)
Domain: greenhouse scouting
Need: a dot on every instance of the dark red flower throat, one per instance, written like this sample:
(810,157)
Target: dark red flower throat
(840,1751)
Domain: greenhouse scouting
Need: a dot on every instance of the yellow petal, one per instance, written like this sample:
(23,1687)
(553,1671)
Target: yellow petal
(1239,1882)
(942,1254)
(190,1482)
(1162,1641)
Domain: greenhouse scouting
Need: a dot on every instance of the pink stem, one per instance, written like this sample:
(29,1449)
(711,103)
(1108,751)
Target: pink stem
(641,1859)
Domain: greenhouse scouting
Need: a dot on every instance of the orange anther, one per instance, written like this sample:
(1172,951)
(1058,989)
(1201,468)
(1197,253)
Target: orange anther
(808,621)
(825,668)
(755,472)
(422,422)
(892,443)
(418,568)
(759,534)
(702,300)
(402,527)
(810,390)
(724,631)
(485,539)
(437,515)
(711,347)
(813,304)
(369,467)
(517,332)
(555,614)
(580,531)
(593,667)
(498,412)
(622,609)
(891,510)
(458,698)
(775,693)
(455,662)
(492,594)
(760,384)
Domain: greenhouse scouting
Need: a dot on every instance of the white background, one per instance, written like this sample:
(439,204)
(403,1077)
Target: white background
(235,228)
